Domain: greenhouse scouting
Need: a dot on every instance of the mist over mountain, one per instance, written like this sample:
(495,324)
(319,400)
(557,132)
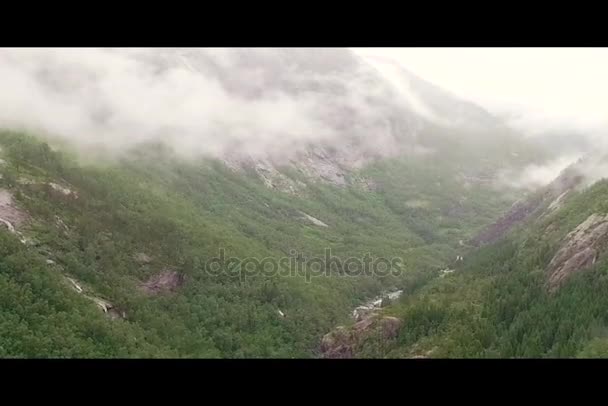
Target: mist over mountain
(199,101)
(223,101)
(154,201)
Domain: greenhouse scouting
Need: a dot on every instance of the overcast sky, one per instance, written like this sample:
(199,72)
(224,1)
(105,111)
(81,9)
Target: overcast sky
(557,87)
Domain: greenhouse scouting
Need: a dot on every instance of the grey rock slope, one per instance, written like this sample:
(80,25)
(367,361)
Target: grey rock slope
(371,116)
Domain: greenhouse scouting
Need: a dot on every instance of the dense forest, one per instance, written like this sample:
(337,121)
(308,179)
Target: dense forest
(113,226)
(298,203)
(178,214)
(497,305)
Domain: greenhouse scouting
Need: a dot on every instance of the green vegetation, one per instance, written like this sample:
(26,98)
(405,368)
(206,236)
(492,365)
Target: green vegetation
(496,304)
(181,213)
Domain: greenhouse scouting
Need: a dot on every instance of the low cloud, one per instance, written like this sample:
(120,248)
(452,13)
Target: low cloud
(538,91)
(116,99)
(534,176)
(594,168)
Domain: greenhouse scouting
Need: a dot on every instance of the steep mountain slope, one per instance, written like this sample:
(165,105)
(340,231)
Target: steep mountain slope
(325,112)
(125,246)
(117,256)
(538,203)
(537,291)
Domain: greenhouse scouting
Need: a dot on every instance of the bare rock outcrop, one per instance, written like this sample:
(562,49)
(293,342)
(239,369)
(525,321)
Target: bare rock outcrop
(313,220)
(166,281)
(108,308)
(418,354)
(533,207)
(344,342)
(105,306)
(338,343)
(64,190)
(142,258)
(11,216)
(390,327)
(579,250)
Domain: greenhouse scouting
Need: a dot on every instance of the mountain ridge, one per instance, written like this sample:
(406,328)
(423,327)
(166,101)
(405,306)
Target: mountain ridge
(133,256)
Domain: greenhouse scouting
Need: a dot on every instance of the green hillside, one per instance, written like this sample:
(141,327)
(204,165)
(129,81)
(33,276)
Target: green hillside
(137,232)
(497,303)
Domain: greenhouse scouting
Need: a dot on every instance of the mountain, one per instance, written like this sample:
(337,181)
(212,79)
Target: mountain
(536,287)
(276,107)
(179,242)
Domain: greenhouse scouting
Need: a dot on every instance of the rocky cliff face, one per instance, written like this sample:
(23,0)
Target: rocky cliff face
(546,199)
(344,342)
(166,281)
(368,115)
(579,250)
